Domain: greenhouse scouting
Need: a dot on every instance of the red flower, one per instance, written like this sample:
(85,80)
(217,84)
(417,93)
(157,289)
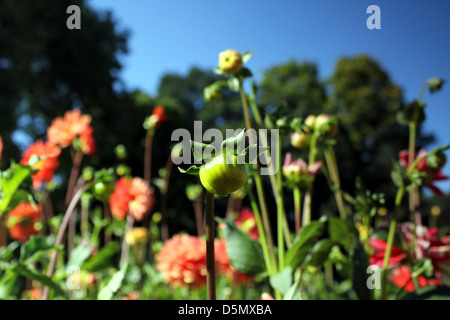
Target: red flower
(430,246)
(132,195)
(156,119)
(159,115)
(379,248)
(246,221)
(63,131)
(1,147)
(182,261)
(22,219)
(401,277)
(434,175)
(224,264)
(35,294)
(46,166)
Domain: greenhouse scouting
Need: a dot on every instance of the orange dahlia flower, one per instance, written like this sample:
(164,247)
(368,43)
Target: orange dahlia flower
(21,221)
(46,166)
(63,131)
(132,195)
(182,261)
(224,264)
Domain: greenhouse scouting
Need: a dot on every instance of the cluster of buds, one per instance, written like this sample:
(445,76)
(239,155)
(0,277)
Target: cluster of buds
(323,124)
(298,173)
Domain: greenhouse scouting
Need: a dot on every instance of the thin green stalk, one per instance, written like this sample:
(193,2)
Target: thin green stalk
(272,176)
(210,259)
(262,234)
(390,240)
(297,206)
(280,211)
(334,174)
(256,176)
(308,195)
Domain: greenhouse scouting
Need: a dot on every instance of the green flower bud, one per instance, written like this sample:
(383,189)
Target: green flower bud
(299,140)
(327,125)
(435,84)
(120,151)
(230,61)
(223,175)
(88,174)
(123,170)
(310,121)
(103,190)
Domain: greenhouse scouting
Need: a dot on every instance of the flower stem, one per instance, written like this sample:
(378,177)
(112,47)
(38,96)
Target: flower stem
(308,195)
(76,162)
(334,175)
(256,176)
(298,206)
(148,156)
(262,234)
(390,240)
(210,259)
(280,211)
(59,238)
(125,246)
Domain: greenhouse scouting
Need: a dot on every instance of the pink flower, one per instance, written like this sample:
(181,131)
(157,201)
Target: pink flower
(298,172)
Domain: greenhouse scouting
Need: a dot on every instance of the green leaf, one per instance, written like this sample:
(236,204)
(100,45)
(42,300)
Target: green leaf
(33,249)
(359,277)
(245,73)
(429,293)
(7,252)
(282,280)
(233,142)
(10,181)
(233,84)
(80,254)
(307,236)
(250,153)
(293,292)
(245,253)
(18,197)
(246,56)
(319,253)
(199,150)
(108,292)
(341,231)
(192,170)
(102,258)
(29,272)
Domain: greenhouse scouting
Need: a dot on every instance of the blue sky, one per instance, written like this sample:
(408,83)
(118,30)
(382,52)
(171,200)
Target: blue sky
(172,36)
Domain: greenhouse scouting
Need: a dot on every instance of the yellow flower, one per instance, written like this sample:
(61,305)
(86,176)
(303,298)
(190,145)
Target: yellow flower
(136,236)
(230,61)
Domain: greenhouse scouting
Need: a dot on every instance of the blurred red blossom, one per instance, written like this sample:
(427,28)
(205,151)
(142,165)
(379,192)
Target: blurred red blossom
(64,130)
(21,221)
(182,261)
(246,221)
(133,195)
(401,277)
(379,247)
(49,152)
